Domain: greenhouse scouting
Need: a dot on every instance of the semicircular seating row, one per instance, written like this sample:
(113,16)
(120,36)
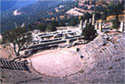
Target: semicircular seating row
(105,54)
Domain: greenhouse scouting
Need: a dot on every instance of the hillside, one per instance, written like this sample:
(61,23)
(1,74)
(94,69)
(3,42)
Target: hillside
(32,13)
(8,5)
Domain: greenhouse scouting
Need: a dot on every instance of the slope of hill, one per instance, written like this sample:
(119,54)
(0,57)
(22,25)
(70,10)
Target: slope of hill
(7,5)
(31,13)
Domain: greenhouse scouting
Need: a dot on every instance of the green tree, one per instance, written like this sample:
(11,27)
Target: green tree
(104,15)
(62,23)
(51,27)
(87,16)
(89,32)
(115,24)
(97,16)
(18,37)
(115,9)
(73,22)
(41,27)
(55,23)
(100,8)
(81,18)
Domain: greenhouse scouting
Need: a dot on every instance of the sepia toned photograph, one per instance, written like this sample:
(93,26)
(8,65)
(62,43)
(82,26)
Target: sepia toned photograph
(62,41)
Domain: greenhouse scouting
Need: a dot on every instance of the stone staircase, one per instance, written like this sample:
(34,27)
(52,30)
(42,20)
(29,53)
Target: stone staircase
(13,65)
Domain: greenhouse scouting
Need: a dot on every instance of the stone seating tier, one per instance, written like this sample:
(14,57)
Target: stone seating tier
(13,65)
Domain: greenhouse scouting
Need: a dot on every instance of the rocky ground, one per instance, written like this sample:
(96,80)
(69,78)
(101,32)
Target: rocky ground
(6,51)
(101,61)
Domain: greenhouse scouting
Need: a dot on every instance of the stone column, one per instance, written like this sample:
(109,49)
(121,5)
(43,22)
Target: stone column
(122,29)
(85,23)
(96,25)
(100,26)
(81,24)
(93,19)
(123,26)
(90,20)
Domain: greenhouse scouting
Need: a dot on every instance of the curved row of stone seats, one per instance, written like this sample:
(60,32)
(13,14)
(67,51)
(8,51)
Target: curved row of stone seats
(104,53)
(121,47)
(99,52)
(13,65)
(106,56)
(121,55)
(112,49)
(50,40)
(110,44)
(109,51)
(45,36)
(103,59)
(94,45)
(117,60)
(117,48)
(120,44)
(123,42)
(47,43)
(88,48)
(44,47)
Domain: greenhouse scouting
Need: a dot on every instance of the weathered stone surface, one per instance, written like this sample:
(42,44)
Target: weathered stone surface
(101,64)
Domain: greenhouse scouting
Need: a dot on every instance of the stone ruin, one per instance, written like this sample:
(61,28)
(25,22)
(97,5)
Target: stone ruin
(103,56)
(66,38)
(102,62)
(42,41)
(13,65)
(100,26)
